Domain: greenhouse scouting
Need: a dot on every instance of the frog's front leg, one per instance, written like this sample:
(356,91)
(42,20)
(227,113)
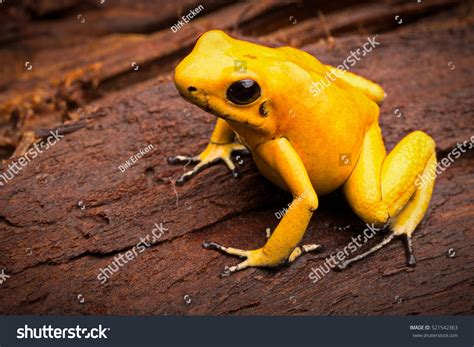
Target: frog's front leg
(220,147)
(281,157)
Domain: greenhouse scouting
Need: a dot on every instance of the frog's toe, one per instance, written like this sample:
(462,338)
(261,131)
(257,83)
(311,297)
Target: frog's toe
(227,250)
(212,154)
(189,174)
(229,270)
(298,251)
(233,169)
(240,148)
(182,159)
(232,251)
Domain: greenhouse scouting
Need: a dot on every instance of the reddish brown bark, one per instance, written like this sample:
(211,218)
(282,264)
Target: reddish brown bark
(71,211)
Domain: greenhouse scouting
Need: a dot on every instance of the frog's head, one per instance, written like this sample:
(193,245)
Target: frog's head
(232,79)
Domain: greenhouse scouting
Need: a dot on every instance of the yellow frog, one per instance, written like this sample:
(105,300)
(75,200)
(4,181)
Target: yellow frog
(305,142)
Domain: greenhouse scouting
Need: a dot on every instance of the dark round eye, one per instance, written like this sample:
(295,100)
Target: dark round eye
(243,92)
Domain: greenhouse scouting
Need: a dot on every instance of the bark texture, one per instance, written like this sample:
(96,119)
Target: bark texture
(70,211)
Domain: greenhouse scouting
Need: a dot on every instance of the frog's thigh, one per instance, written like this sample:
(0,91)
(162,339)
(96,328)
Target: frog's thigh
(369,88)
(363,187)
(387,186)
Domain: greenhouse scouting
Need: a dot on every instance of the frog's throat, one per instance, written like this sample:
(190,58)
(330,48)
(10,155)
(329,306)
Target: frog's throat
(243,121)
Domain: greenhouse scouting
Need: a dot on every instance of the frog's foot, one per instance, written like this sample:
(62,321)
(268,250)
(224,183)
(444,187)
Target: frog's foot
(411,261)
(298,251)
(255,258)
(211,155)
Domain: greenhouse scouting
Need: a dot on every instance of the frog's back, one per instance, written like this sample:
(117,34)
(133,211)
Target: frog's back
(345,79)
(326,129)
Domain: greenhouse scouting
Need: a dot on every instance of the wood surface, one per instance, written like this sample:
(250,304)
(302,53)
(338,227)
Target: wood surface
(70,211)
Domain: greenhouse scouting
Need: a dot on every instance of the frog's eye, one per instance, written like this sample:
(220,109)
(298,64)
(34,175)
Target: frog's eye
(243,92)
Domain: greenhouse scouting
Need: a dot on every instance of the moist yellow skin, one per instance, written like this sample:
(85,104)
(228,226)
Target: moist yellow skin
(309,144)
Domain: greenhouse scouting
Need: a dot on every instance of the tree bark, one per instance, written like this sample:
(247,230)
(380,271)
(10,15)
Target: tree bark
(71,210)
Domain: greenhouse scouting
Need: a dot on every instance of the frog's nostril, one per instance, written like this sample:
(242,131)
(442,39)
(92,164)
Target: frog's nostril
(192,89)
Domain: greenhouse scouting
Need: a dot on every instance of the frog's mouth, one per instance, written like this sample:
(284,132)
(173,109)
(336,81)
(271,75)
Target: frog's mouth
(202,100)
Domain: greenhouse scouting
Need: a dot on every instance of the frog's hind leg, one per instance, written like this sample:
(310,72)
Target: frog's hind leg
(369,88)
(394,188)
